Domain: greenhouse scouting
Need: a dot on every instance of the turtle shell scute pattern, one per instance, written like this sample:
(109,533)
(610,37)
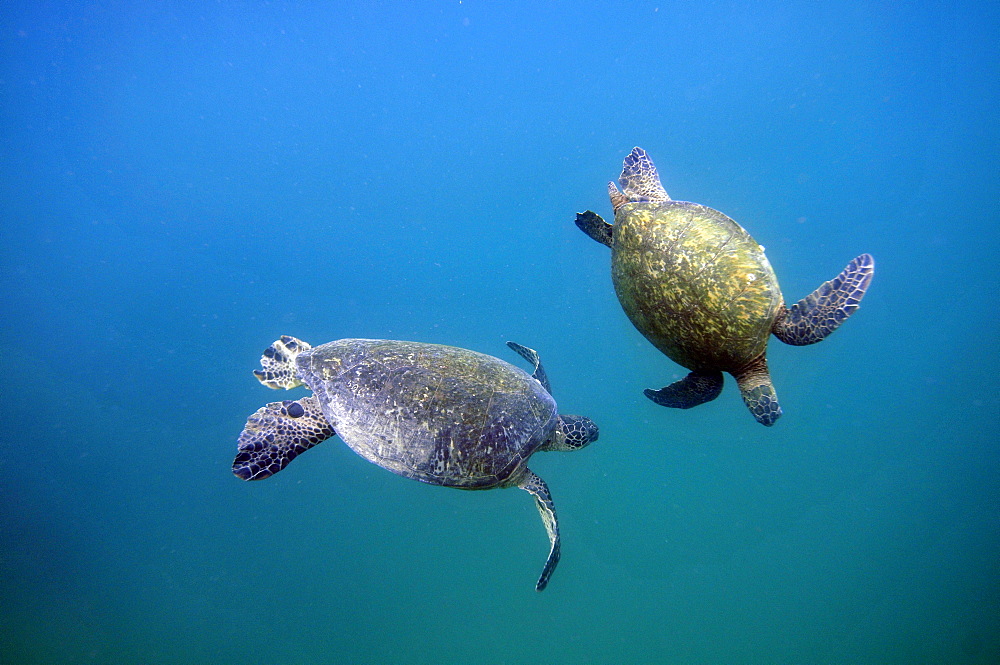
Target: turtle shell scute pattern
(437,414)
(694,283)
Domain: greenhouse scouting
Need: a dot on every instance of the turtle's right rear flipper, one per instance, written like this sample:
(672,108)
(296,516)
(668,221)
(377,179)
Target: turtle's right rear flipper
(278,433)
(694,389)
(821,312)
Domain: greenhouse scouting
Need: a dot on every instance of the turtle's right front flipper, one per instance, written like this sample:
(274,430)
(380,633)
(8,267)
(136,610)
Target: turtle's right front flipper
(276,434)
(594,226)
(821,312)
(537,488)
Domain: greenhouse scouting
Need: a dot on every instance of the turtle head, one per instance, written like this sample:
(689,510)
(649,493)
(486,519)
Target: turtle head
(278,363)
(574,432)
(617,198)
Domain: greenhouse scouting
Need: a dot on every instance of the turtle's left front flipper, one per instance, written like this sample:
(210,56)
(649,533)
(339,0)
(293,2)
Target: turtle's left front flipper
(537,371)
(537,487)
(821,312)
(278,433)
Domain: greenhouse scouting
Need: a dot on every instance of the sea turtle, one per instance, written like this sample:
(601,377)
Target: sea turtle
(700,289)
(437,414)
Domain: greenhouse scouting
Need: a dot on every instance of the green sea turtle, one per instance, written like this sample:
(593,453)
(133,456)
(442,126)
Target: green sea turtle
(437,414)
(700,289)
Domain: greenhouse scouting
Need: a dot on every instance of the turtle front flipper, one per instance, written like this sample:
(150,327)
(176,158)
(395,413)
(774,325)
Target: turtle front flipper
(536,486)
(758,392)
(278,363)
(821,312)
(639,179)
(276,434)
(694,389)
(594,226)
(538,372)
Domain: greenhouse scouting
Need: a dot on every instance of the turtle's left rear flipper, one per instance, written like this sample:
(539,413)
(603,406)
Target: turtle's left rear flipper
(821,312)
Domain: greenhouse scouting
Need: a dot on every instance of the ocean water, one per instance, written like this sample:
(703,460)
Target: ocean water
(185,182)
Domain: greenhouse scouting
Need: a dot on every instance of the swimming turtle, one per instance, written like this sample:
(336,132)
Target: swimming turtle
(702,291)
(437,414)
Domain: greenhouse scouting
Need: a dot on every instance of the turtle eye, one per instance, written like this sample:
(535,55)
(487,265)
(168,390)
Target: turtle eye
(295,410)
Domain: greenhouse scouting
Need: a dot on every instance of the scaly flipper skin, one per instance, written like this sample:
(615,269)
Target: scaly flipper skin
(537,488)
(821,312)
(639,179)
(694,389)
(594,226)
(538,372)
(278,362)
(278,433)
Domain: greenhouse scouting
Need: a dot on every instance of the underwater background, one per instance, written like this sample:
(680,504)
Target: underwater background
(184,182)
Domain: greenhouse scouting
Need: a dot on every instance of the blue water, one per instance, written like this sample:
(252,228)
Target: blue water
(185,182)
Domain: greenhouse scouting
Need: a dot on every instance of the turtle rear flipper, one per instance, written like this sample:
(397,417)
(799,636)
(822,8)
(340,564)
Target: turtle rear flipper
(543,499)
(278,363)
(694,389)
(276,434)
(821,312)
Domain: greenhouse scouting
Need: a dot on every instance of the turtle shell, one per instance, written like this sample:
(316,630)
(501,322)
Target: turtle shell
(694,283)
(438,414)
